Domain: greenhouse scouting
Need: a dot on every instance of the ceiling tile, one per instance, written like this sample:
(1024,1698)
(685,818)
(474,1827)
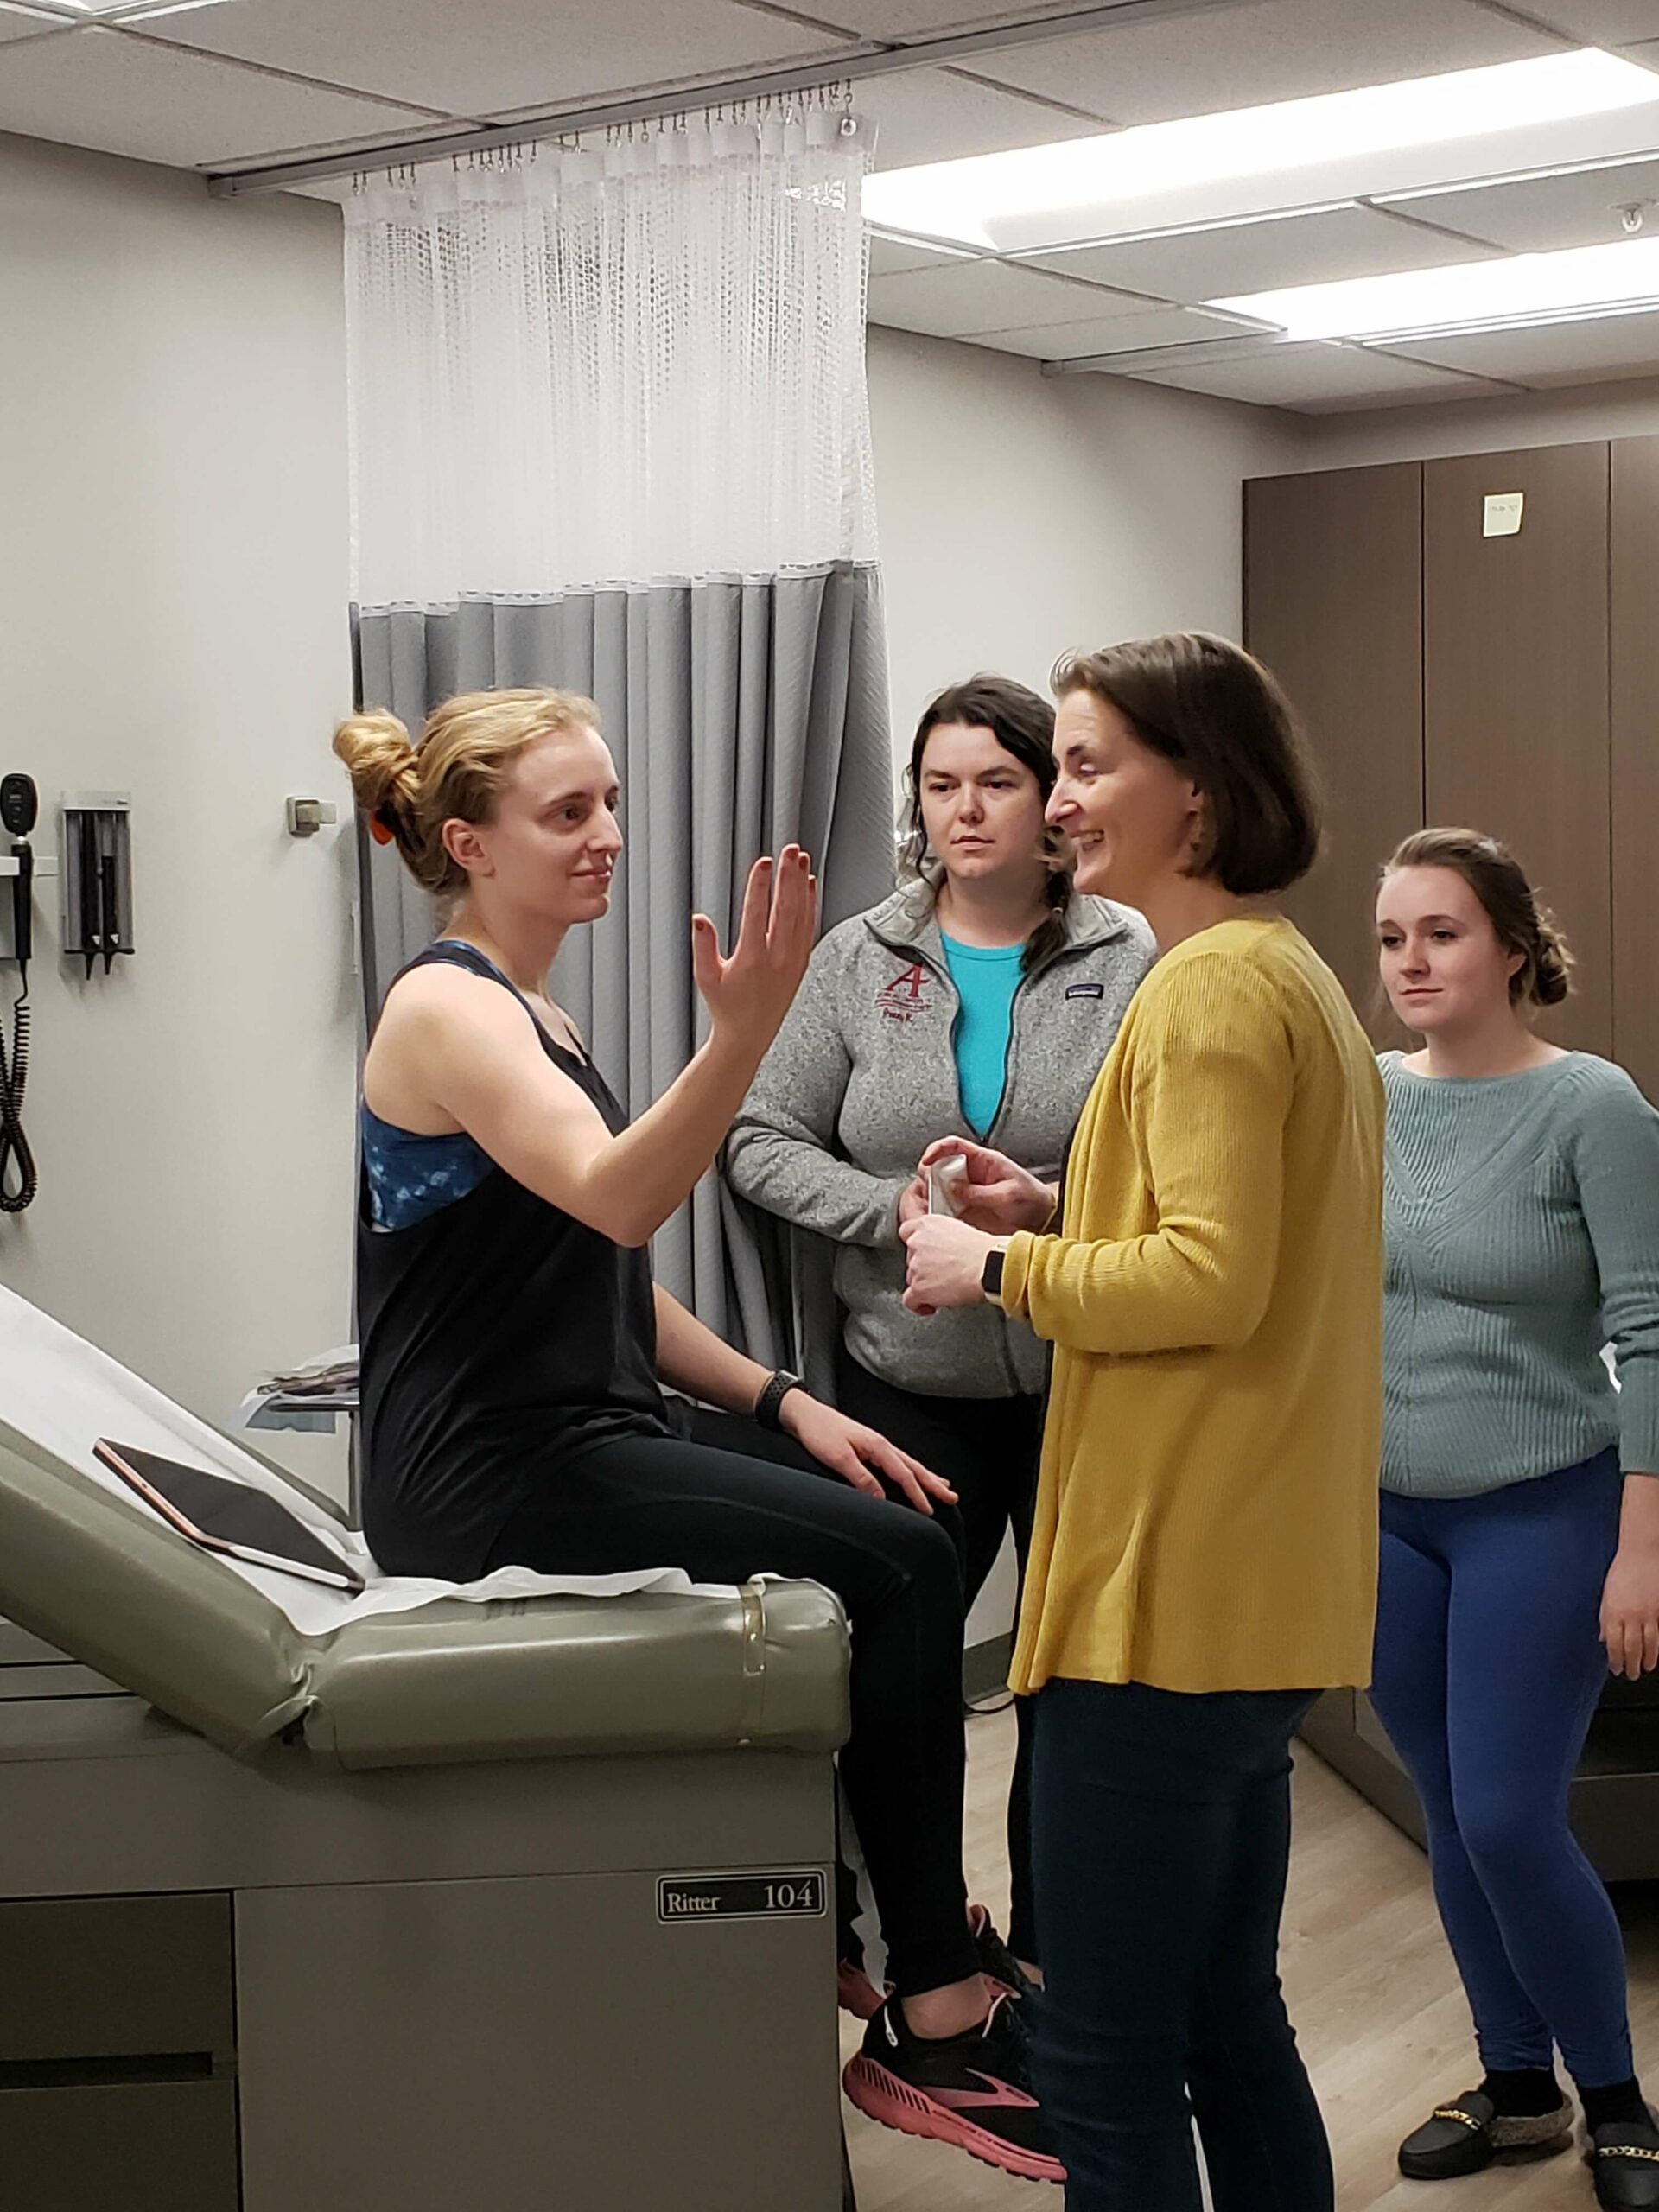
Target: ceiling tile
(123,95)
(936,115)
(893,256)
(1266,50)
(1140,333)
(508,56)
(1539,214)
(1309,375)
(975,295)
(908,19)
(1556,353)
(14,27)
(1597,23)
(1241,257)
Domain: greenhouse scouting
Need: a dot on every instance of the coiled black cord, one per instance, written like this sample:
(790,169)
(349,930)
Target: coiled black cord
(18,1179)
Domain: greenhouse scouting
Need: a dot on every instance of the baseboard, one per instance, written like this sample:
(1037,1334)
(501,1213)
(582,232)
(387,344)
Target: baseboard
(985,1666)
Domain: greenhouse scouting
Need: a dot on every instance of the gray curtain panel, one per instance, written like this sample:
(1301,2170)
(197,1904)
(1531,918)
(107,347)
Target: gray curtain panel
(742,713)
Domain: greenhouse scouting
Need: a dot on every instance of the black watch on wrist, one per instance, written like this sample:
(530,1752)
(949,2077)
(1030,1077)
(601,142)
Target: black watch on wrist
(990,1275)
(768,1406)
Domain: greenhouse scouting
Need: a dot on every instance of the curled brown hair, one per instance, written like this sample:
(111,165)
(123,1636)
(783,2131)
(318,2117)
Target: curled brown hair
(1213,711)
(1022,724)
(1520,921)
(454,772)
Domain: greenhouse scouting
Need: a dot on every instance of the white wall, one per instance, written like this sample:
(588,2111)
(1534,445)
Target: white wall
(174,623)
(1021,515)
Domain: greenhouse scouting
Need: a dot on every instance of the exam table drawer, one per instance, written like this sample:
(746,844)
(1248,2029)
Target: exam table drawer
(115,1978)
(131,2146)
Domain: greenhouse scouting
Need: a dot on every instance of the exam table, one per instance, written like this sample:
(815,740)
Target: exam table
(478,1905)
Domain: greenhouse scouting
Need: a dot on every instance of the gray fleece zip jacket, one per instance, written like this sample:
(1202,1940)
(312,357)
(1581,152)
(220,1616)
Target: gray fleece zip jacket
(863,1075)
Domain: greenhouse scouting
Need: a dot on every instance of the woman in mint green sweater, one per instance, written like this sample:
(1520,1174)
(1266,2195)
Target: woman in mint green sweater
(1520,1552)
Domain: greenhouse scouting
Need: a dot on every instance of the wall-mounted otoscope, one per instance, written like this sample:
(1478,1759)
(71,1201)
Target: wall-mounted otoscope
(20,805)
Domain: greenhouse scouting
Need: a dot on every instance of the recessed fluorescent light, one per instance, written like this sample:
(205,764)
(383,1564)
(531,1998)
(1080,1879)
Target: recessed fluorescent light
(1520,287)
(963,199)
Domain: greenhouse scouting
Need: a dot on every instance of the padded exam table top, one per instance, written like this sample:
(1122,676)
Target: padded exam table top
(518,1665)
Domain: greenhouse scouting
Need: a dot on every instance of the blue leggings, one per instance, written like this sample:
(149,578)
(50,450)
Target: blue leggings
(1489,1666)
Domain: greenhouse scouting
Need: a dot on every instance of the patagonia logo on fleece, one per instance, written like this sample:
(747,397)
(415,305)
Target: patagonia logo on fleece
(904,998)
(1085,990)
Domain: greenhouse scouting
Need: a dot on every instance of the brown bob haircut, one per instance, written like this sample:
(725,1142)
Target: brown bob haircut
(1205,705)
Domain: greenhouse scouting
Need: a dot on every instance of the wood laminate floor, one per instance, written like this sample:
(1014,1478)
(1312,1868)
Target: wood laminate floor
(1372,1990)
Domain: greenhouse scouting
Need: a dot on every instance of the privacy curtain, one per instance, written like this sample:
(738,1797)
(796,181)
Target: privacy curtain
(610,432)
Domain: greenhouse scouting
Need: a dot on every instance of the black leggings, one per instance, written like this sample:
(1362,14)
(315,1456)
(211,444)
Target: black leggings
(988,1450)
(737,1501)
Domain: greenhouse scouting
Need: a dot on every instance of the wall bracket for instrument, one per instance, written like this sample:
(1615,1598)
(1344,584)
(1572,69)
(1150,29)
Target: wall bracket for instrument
(43,866)
(96,862)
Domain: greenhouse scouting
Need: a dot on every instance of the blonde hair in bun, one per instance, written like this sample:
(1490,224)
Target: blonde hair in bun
(455,772)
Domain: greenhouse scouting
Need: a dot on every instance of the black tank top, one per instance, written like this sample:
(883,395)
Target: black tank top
(499,1337)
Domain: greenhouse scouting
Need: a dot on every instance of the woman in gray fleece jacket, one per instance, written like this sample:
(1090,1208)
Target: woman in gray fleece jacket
(981,997)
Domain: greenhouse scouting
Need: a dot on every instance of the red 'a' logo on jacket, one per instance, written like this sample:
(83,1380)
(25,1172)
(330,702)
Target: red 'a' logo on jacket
(902,999)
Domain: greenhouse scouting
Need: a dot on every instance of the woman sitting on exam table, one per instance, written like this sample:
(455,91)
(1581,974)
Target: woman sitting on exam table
(982,996)
(515,1350)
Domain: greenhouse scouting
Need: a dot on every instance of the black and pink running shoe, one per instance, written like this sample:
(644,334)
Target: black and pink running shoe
(996,1961)
(973,2090)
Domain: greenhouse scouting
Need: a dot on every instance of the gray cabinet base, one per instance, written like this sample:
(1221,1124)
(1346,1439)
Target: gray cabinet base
(1615,1799)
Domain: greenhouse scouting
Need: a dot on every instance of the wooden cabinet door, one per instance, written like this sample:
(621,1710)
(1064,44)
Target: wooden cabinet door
(1635,693)
(1515,719)
(1334,605)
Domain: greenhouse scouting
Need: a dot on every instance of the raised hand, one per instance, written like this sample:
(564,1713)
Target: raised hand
(998,1195)
(748,992)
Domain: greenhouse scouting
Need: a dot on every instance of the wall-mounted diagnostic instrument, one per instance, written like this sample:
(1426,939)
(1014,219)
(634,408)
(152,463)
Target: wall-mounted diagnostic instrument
(97,877)
(19,806)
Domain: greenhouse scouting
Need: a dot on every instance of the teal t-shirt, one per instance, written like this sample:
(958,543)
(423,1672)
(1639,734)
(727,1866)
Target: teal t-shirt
(985,977)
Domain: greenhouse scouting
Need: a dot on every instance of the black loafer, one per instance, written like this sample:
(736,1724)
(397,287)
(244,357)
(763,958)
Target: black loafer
(1624,2159)
(1467,2134)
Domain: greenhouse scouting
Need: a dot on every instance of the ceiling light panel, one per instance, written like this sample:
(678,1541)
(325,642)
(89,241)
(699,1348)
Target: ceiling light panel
(1381,138)
(1520,287)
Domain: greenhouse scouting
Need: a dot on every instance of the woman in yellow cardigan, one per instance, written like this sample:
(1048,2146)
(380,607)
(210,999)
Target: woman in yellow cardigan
(1205,1558)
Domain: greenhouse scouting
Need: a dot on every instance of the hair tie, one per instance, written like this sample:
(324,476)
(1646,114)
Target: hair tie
(382,827)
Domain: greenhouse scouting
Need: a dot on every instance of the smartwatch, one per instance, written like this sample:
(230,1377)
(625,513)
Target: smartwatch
(776,1388)
(990,1275)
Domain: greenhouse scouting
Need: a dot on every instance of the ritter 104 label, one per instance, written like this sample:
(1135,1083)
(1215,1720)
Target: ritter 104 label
(791,1895)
